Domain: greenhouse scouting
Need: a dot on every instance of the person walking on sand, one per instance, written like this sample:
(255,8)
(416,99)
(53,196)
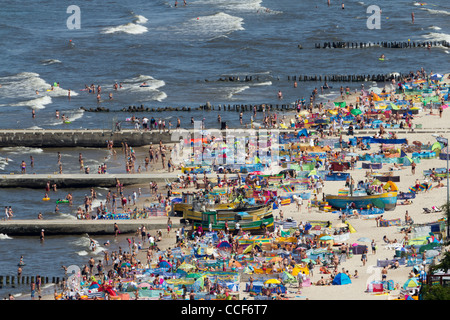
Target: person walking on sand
(364,257)
(413,168)
(169,225)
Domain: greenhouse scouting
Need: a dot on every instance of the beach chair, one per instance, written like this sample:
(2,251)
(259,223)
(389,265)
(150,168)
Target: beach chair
(426,210)
(436,209)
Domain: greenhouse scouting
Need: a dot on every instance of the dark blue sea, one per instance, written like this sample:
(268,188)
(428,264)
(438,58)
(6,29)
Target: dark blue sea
(181,53)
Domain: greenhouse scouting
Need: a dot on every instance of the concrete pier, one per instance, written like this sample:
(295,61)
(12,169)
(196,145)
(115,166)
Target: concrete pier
(80,138)
(38,181)
(75,227)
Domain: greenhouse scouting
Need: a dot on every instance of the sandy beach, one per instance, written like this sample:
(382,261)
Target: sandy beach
(365,226)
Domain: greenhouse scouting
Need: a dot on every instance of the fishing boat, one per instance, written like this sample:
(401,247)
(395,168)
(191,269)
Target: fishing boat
(247,221)
(386,200)
(187,199)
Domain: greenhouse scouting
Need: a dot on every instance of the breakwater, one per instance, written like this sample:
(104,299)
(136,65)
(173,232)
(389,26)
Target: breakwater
(80,138)
(76,227)
(39,181)
(382,44)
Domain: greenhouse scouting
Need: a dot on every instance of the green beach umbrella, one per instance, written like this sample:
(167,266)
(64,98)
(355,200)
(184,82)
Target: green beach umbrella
(355,112)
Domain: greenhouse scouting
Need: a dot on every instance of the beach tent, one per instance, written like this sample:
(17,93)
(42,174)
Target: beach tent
(411,283)
(164,264)
(303,132)
(224,245)
(341,279)
(288,278)
(407,161)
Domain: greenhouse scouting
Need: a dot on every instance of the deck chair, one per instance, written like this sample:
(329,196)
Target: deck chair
(426,210)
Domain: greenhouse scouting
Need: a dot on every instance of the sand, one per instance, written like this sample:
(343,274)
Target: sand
(364,227)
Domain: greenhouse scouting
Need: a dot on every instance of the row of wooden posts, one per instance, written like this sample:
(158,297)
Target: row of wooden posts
(13,280)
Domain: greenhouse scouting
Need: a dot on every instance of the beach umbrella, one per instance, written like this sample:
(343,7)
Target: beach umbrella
(272,281)
(355,112)
(364,239)
(125,264)
(326,238)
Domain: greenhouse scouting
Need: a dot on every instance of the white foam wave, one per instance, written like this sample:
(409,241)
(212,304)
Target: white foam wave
(130,28)
(231,91)
(30,90)
(435,28)
(4,237)
(66,216)
(146,84)
(38,103)
(435,36)
(35,128)
(266,83)
(140,19)
(22,150)
(135,27)
(213,25)
(47,62)
(246,6)
(433,11)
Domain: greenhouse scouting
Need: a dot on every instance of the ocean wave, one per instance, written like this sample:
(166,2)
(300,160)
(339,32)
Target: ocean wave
(230,92)
(30,90)
(130,28)
(434,28)
(67,216)
(266,83)
(38,103)
(22,150)
(435,36)
(213,25)
(242,6)
(136,85)
(140,19)
(135,27)
(433,11)
(47,62)
(4,237)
